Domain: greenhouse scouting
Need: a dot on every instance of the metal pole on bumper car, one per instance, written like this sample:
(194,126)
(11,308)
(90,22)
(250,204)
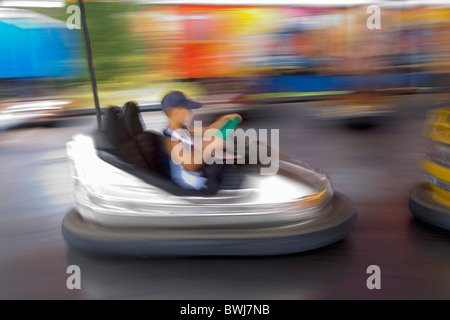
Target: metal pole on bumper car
(90,62)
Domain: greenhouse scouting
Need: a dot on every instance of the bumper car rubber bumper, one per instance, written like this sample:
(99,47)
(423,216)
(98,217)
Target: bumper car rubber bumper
(318,232)
(423,207)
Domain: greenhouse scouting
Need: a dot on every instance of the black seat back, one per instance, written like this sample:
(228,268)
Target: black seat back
(149,142)
(114,126)
(115,139)
(132,118)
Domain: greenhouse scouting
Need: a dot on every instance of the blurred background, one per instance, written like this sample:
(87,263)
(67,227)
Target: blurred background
(312,69)
(221,52)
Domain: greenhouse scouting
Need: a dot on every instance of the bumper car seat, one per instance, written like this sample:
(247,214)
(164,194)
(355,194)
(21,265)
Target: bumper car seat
(116,146)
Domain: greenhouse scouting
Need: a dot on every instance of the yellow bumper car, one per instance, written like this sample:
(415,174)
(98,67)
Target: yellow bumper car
(430,200)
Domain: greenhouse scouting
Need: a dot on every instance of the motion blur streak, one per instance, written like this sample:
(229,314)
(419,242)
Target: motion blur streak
(307,70)
(221,53)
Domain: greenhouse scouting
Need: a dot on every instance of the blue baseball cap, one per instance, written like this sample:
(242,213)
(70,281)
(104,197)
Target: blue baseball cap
(175,99)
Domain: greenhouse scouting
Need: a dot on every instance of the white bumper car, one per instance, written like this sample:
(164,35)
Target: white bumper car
(125,204)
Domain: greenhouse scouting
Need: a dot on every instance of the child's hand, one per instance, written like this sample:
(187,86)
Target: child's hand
(231,116)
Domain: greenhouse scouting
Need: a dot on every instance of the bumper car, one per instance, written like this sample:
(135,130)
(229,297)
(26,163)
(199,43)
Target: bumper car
(358,110)
(125,204)
(21,113)
(429,200)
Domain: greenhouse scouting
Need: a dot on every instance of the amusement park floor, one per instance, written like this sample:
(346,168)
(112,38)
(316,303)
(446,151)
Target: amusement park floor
(376,167)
